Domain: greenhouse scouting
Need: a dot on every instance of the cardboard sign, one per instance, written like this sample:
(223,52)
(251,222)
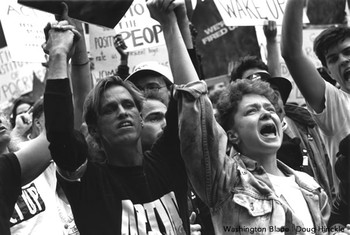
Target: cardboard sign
(16,78)
(106,58)
(250,12)
(138,29)
(23,30)
(218,44)
(100,12)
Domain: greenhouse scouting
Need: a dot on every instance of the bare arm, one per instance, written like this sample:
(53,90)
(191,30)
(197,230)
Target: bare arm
(273,49)
(304,73)
(180,62)
(34,156)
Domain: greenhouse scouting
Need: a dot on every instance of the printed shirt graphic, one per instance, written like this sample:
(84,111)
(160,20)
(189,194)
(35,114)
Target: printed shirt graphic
(158,217)
(28,205)
(36,211)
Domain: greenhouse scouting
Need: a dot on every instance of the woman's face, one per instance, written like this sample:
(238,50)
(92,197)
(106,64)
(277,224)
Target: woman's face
(257,127)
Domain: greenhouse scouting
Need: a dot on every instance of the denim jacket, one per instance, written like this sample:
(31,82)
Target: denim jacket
(236,189)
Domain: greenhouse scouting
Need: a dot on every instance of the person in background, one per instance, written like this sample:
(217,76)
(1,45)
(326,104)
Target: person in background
(41,207)
(153,78)
(328,105)
(21,105)
(17,169)
(120,46)
(341,210)
(153,115)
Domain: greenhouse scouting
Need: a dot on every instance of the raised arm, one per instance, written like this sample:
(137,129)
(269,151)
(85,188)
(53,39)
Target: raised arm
(120,46)
(33,157)
(273,49)
(68,148)
(303,71)
(180,62)
(80,68)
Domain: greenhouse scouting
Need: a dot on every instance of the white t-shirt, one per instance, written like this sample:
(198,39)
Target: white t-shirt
(36,210)
(333,121)
(288,190)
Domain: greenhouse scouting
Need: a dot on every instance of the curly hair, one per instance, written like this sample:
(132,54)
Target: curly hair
(230,98)
(93,100)
(329,38)
(245,63)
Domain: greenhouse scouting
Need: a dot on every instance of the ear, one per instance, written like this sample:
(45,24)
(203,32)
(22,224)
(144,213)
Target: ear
(95,135)
(233,137)
(93,132)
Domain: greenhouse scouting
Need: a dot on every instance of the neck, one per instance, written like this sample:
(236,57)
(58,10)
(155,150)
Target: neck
(125,155)
(270,166)
(269,163)
(4,149)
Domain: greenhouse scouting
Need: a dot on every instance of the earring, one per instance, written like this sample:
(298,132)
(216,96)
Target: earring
(142,123)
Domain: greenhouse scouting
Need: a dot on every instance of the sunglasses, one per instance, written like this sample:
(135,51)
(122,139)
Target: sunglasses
(264,76)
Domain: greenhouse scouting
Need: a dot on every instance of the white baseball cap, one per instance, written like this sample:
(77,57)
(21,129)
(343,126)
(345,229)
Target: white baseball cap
(153,66)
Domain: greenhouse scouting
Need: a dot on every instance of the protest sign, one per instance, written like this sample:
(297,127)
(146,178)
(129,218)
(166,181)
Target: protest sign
(138,29)
(102,12)
(219,44)
(23,30)
(16,77)
(250,12)
(106,58)
(102,51)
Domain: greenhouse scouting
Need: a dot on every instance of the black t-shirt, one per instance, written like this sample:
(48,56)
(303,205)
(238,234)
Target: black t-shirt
(118,200)
(10,189)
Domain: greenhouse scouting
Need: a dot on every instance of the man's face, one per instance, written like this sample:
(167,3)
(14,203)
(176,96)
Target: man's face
(257,126)
(338,64)
(119,121)
(153,84)
(153,113)
(4,131)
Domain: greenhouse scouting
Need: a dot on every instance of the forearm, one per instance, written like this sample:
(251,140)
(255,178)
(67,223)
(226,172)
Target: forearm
(34,157)
(273,58)
(292,29)
(180,62)
(57,66)
(59,121)
(80,74)
(203,145)
(184,26)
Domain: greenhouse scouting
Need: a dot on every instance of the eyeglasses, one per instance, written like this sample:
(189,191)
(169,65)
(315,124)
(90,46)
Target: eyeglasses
(152,88)
(264,76)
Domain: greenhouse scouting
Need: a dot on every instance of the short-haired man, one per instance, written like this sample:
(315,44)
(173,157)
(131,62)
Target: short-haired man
(151,78)
(328,104)
(134,191)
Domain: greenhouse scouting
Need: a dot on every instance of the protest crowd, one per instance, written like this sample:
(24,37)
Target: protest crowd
(155,150)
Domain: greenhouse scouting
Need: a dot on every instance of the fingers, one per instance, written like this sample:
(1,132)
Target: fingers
(64,15)
(195,229)
(119,42)
(24,119)
(193,217)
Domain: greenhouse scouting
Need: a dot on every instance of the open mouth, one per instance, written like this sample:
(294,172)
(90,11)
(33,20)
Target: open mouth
(347,74)
(2,129)
(124,124)
(268,130)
